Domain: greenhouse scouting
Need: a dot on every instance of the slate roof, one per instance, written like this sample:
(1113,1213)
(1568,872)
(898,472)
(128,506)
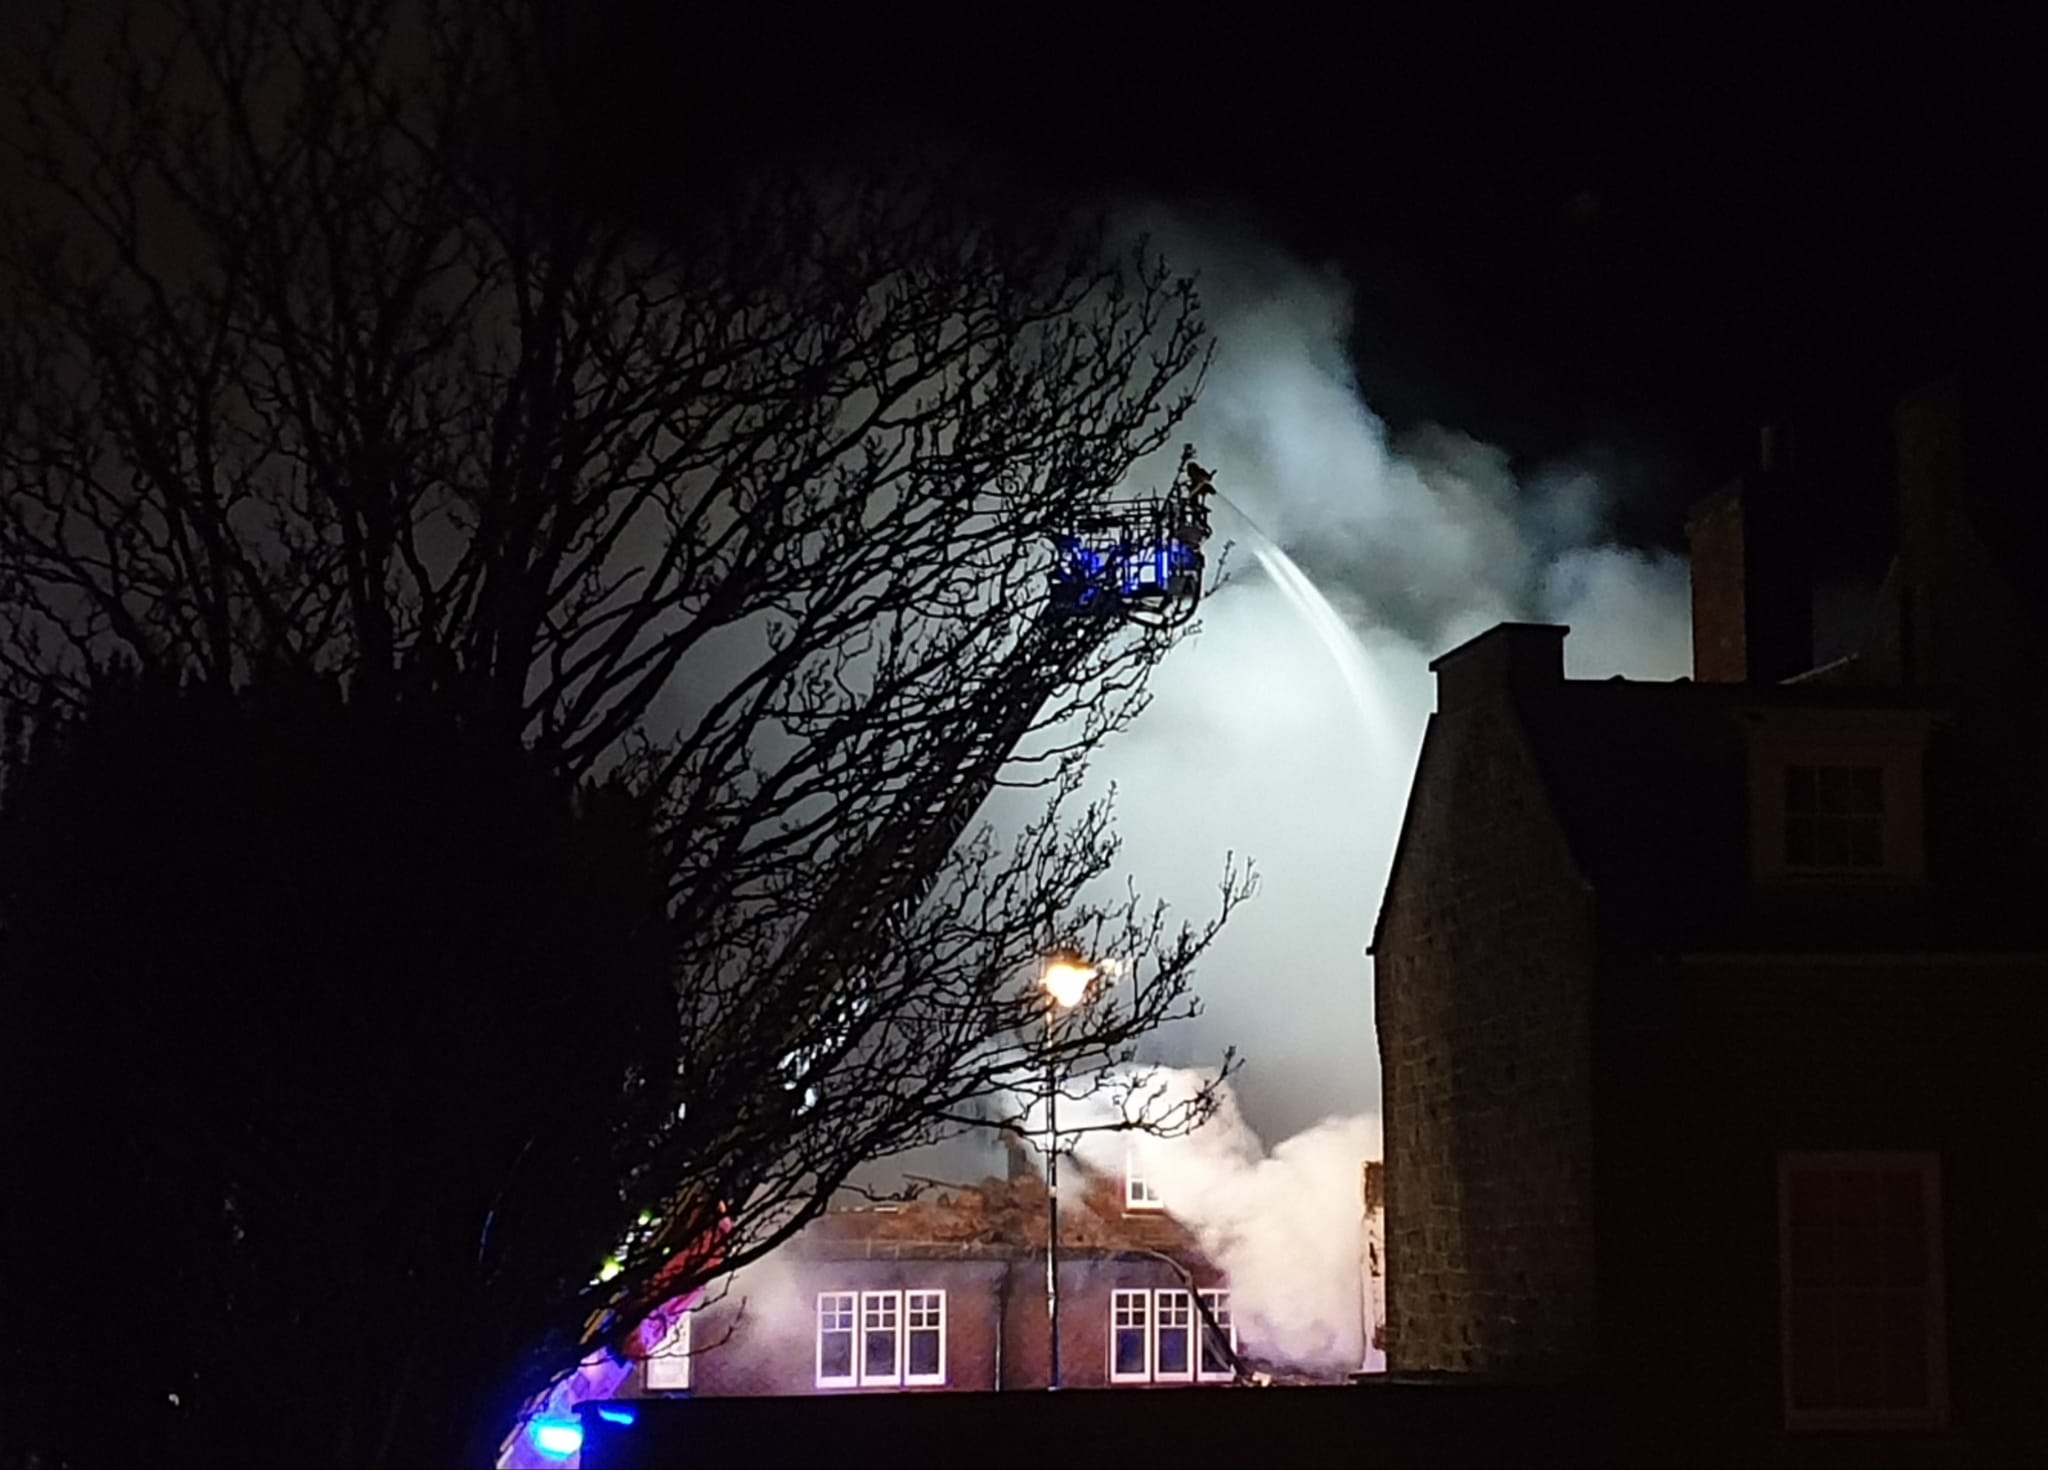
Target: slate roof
(1650,782)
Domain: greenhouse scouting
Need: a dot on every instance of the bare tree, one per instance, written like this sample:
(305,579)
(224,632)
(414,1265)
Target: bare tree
(322,360)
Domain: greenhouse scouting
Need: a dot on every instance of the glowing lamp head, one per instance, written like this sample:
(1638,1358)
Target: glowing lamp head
(558,1439)
(1067,980)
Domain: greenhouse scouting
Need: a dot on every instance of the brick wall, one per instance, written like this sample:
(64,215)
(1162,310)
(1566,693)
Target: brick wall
(996,1322)
(984,1246)
(1484,966)
(1765,1056)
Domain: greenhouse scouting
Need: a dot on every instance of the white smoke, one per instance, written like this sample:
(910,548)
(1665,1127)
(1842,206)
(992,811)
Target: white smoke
(1286,1227)
(1257,741)
(1260,741)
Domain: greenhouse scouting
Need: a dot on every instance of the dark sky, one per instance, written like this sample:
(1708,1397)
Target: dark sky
(1652,232)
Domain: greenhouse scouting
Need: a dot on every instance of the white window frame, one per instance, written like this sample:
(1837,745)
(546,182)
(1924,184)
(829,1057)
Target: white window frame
(1926,1168)
(910,1305)
(848,1302)
(1151,1303)
(1176,1300)
(668,1363)
(890,1305)
(894,1307)
(1217,1299)
(1139,1193)
(1120,1301)
(1895,742)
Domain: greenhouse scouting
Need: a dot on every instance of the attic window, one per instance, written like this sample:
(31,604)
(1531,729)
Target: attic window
(1834,818)
(1836,796)
(1140,1193)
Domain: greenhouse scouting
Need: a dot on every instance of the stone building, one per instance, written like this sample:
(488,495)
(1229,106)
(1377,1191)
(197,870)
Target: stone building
(1711,1012)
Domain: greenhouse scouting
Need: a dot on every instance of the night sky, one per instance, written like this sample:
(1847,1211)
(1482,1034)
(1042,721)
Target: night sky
(1648,234)
(1623,245)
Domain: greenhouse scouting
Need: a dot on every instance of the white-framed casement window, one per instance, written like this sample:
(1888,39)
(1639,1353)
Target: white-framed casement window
(1130,1337)
(1157,1336)
(1861,1309)
(881,1339)
(1217,1331)
(668,1365)
(1139,1192)
(837,1311)
(924,1337)
(1173,1336)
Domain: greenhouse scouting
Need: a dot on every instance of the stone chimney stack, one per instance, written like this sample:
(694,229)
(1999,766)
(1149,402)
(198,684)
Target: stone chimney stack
(1508,658)
(1752,589)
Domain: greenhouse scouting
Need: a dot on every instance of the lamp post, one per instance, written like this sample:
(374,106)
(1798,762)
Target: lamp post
(1066,982)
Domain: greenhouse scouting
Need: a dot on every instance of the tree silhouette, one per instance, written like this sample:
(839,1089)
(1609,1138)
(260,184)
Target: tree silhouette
(311,1090)
(327,372)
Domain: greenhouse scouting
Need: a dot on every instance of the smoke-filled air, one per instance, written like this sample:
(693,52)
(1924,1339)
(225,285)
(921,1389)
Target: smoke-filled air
(1282,1225)
(1288,729)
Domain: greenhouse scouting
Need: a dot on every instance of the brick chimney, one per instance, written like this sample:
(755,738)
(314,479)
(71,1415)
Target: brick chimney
(1018,1159)
(1506,658)
(1752,591)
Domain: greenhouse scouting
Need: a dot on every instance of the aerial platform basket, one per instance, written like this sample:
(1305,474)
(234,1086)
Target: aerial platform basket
(1142,563)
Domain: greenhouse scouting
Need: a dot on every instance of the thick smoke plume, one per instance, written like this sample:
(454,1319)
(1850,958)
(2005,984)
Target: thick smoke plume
(1255,743)
(1286,1227)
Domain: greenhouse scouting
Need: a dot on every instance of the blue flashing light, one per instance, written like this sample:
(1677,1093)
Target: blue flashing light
(558,1439)
(617,1416)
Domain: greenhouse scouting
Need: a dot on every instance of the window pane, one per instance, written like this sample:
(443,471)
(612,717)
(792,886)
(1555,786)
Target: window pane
(1214,1359)
(1216,1333)
(1130,1328)
(1905,1338)
(1173,1352)
(1799,789)
(1799,846)
(835,1355)
(1866,789)
(1858,1313)
(1859,1355)
(925,1360)
(879,1360)
(1834,785)
(1812,1369)
(1130,1351)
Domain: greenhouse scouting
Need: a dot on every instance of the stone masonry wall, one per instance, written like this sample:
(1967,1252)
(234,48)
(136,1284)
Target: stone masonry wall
(1484,968)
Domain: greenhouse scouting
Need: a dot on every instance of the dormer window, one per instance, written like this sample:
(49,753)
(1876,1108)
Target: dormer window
(1834,818)
(1139,1192)
(1836,795)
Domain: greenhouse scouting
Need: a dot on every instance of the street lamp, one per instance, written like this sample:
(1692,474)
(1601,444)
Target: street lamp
(1065,980)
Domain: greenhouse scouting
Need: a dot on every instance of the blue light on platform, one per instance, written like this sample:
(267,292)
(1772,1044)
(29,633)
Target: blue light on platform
(616,1416)
(558,1439)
